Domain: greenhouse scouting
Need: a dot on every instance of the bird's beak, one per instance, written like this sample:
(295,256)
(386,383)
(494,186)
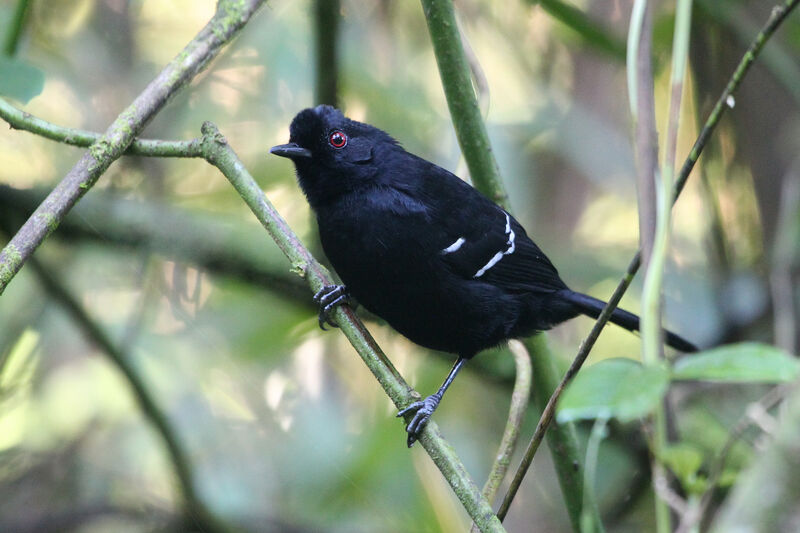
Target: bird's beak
(291,150)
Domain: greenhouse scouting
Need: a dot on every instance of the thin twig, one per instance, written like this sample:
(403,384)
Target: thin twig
(550,409)
(21,120)
(520,398)
(230,17)
(217,152)
(652,334)
(779,13)
(562,439)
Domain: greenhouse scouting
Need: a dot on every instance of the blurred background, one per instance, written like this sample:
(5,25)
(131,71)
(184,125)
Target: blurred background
(283,427)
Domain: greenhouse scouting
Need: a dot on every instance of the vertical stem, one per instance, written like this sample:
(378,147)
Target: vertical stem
(592,451)
(15,28)
(642,100)
(476,148)
(520,398)
(326,33)
(562,439)
(464,110)
(652,344)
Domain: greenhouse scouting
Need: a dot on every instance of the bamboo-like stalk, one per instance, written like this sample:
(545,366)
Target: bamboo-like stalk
(475,146)
(326,45)
(464,109)
(15,27)
(652,336)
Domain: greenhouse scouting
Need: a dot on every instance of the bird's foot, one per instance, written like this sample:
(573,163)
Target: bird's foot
(328,297)
(422,410)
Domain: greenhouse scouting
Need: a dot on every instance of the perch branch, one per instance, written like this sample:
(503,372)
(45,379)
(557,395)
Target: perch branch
(217,152)
(516,414)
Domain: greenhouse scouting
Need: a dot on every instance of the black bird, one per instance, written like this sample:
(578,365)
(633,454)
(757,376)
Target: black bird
(423,250)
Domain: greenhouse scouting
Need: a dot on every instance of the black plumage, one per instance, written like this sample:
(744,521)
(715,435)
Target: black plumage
(422,249)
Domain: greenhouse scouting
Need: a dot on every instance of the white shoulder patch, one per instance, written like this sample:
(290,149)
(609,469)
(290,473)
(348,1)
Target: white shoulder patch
(499,255)
(455,246)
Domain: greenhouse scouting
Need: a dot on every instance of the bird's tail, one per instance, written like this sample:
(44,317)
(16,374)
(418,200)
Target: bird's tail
(592,307)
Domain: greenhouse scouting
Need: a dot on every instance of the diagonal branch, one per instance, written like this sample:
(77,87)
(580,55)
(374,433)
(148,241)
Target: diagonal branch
(520,398)
(217,152)
(230,17)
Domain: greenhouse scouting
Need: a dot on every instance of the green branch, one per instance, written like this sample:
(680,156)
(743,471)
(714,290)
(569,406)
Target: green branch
(779,13)
(21,120)
(562,441)
(15,27)
(230,17)
(474,141)
(464,110)
(652,335)
(326,46)
(520,398)
(217,152)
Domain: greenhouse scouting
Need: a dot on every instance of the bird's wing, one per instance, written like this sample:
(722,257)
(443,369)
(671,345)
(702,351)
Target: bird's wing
(488,244)
(474,237)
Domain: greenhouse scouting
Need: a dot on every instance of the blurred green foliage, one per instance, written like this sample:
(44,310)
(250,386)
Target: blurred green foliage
(285,428)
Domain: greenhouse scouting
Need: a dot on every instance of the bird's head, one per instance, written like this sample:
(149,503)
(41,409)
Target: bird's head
(332,153)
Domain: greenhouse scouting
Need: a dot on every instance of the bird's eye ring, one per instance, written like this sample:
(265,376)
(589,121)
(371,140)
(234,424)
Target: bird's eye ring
(337,139)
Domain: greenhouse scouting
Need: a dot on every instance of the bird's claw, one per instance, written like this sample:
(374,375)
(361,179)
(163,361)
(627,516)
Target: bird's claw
(422,410)
(328,297)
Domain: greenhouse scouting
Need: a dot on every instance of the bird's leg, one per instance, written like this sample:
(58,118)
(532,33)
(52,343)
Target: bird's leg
(328,297)
(423,409)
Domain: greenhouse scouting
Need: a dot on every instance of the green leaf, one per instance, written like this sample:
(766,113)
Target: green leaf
(747,361)
(614,388)
(19,80)
(684,460)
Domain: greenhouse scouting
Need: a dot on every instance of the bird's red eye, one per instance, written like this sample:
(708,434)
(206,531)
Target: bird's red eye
(337,139)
